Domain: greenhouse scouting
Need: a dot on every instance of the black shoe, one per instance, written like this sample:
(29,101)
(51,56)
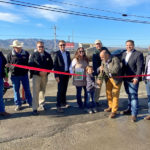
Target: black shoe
(126,112)
(35,113)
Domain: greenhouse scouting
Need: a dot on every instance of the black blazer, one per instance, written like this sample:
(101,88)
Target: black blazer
(3,63)
(134,65)
(59,64)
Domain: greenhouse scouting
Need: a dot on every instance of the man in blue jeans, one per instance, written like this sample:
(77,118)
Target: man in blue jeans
(2,75)
(19,75)
(132,61)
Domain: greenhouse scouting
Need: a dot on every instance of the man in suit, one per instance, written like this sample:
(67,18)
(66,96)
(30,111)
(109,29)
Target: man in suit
(61,63)
(132,65)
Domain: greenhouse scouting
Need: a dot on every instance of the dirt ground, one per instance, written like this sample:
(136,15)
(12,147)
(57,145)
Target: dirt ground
(74,129)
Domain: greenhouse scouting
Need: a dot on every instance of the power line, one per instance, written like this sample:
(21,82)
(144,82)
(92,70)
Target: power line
(109,11)
(48,8)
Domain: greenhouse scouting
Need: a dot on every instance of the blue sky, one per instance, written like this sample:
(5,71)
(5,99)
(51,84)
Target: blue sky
(21,22)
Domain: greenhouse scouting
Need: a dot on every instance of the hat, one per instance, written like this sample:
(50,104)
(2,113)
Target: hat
(16,43)
(98,41)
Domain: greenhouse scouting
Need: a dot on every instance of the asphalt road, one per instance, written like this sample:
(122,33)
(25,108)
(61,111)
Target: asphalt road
(74,129)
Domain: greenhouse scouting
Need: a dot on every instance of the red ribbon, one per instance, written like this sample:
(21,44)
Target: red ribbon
(73,74)
(45,70)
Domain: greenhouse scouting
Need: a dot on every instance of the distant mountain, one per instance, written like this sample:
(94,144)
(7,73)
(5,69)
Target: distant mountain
(30,43)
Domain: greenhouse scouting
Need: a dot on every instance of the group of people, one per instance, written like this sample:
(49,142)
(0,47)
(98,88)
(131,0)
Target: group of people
(105,67)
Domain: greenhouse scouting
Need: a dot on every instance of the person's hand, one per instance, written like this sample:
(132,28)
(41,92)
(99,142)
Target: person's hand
(99,82)
(43,73)
(135,81)
(101,68)
(7,65)
(57,79)
(6,79)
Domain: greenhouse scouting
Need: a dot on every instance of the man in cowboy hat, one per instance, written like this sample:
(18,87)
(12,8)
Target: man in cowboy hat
(19,75)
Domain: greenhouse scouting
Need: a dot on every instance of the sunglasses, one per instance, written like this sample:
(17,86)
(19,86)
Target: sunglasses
(41,46)
(63,45)
(81,51)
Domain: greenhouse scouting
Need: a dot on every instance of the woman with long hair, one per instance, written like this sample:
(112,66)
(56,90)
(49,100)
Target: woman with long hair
(78,66)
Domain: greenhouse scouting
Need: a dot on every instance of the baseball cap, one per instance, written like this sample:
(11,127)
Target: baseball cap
(97,41)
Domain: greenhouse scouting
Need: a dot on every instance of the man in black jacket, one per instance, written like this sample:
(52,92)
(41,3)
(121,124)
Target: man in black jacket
(132,65)
(19,75)
(40,59)
(61,63)
(2,75)
(96,64)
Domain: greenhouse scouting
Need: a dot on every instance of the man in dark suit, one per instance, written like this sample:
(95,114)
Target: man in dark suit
(61,63)
(132,65)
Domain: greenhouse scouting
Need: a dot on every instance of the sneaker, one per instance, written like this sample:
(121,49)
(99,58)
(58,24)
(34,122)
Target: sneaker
(147,117)
(4,114)
(60,110)
(18,108)
(89,111)
(107,110)
(35,113)
(66,106)
(94,110)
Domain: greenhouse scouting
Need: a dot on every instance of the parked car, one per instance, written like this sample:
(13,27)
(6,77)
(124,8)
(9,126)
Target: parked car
(118,53)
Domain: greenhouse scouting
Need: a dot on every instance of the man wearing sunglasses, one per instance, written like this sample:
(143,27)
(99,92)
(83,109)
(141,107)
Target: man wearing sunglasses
(62,62)
(40,59)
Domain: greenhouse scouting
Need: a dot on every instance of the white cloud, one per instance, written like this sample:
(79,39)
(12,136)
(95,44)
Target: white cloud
(49,15)
(9,17)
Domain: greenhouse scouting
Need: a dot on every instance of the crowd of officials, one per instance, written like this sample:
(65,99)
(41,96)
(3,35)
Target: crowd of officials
(106,68)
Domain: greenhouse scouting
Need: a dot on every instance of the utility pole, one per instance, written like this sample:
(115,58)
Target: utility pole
(55,44)
(54,37)
(72,36)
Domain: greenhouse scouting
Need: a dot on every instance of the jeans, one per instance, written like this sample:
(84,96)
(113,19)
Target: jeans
(78,96)
(16,81)
(2,106)
(148,94)
(90,94)
(132,91)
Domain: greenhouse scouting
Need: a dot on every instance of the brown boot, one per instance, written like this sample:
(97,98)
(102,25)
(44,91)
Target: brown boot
(112,115)
(107,110)
(133,118)
(147,117)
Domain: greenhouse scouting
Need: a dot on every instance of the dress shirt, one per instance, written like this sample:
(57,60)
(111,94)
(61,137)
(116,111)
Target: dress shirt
(65,59)
(128,56)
